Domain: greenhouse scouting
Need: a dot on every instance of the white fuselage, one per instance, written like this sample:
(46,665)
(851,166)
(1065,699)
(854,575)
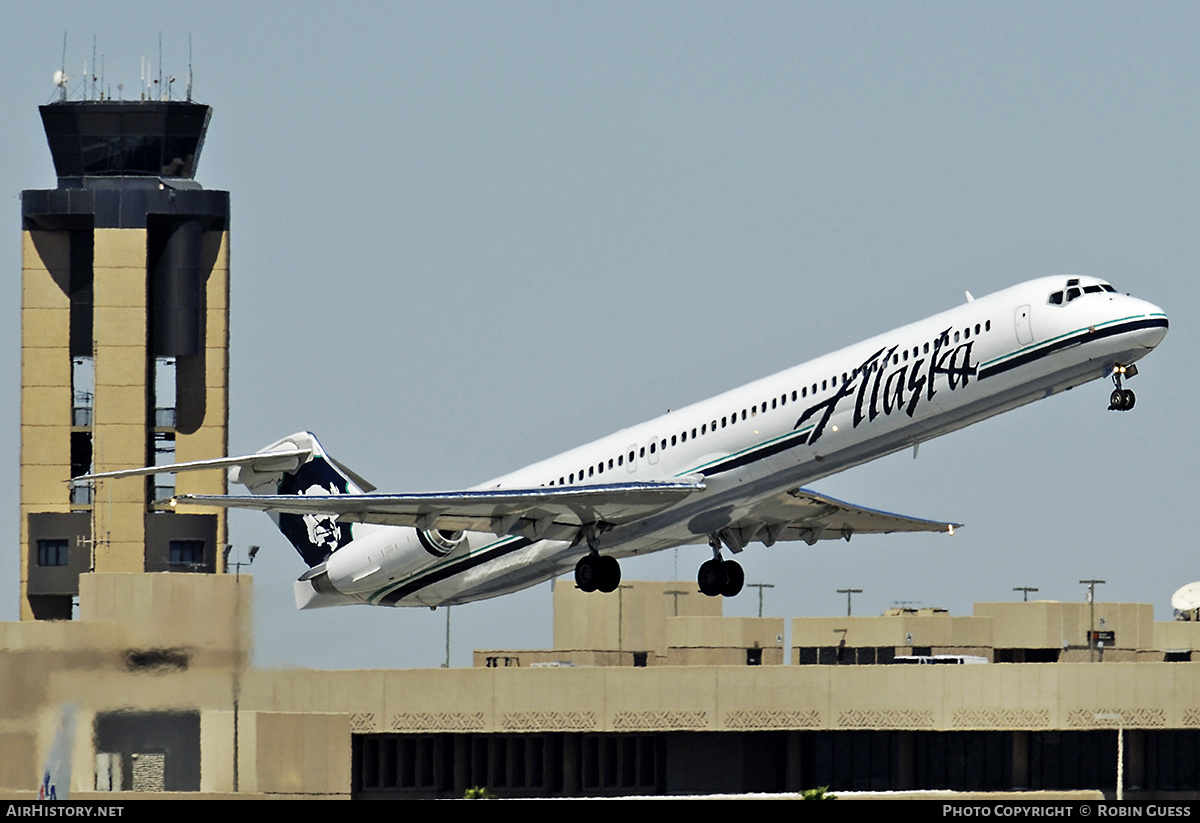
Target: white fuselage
(841,410)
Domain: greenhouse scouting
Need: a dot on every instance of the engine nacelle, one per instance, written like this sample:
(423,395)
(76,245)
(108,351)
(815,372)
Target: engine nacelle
(439,542)
(386,554)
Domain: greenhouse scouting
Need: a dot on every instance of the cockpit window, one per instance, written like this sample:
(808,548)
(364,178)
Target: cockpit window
(1074,290)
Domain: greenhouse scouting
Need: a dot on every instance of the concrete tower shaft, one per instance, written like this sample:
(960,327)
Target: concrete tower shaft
(125,332)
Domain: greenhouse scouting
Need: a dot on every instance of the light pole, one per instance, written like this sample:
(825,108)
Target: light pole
(760,587)
(237,643)
(849,593)
(1091,584)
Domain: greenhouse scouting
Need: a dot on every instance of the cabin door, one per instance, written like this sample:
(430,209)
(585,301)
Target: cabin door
(1024,331)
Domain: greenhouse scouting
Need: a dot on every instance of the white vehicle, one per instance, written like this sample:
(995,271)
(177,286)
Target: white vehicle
(728,471)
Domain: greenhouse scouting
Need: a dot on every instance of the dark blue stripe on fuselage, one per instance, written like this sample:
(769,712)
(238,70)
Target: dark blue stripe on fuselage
(458,567)
(754,455)
(1084,336)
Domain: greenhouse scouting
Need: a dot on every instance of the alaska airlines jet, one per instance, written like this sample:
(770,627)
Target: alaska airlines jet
(726,472)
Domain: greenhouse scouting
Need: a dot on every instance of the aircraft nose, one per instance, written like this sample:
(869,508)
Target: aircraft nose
(1155,329)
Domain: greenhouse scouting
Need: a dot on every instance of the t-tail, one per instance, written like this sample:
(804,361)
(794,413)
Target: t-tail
(307,470)
(295,465)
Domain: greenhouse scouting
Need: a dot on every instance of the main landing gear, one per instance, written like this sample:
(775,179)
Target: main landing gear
(1121,399)
(717,576)
(597,572)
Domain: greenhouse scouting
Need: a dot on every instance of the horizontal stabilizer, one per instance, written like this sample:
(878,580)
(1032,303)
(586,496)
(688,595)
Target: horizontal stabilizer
(283,460)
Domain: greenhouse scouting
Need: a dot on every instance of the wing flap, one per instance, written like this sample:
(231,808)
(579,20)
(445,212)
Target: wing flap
(802,514)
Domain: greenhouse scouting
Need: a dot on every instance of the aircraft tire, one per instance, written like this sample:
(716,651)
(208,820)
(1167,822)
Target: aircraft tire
(1127,399)
(711,577)
(735,578)
(610,574)
(587,574)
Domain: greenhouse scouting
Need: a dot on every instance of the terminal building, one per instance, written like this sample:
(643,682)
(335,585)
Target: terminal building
(131,658)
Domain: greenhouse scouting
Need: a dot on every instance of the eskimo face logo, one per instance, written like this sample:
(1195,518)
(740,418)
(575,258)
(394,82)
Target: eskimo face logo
(877,390)
(323,530)
(315,536)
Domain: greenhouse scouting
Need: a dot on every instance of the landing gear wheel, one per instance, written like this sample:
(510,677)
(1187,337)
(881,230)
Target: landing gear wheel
(587,573)
(711,577)
(735,578)
(610,574)
(1121,399)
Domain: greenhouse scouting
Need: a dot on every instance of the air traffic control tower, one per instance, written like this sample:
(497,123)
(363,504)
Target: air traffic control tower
(124,347)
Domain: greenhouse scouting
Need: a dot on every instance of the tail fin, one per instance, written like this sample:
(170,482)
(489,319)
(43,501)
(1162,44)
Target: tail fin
(294,465)
(314,536)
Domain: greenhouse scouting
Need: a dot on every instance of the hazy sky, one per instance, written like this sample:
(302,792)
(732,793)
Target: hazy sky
(468,236)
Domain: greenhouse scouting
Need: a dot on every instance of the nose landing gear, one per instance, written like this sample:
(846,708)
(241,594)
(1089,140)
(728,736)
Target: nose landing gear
(1121,399)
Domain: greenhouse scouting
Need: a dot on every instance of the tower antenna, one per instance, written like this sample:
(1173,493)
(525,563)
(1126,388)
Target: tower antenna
(189,85)
(60,79)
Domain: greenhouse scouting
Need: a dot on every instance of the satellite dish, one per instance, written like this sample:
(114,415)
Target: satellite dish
(60,78)
(1187,597)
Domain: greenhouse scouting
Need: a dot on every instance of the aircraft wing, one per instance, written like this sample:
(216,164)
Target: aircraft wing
(802,514)
(541,513)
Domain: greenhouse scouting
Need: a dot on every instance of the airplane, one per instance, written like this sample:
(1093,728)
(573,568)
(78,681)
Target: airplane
(727,472)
